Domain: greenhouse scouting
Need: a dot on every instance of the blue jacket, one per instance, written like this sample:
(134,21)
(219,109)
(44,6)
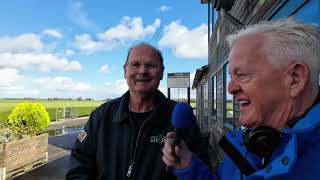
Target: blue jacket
(297,156)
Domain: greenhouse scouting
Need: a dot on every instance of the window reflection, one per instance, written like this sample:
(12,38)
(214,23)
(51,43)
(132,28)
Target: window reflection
(205,95)
(228,103)
(214,95)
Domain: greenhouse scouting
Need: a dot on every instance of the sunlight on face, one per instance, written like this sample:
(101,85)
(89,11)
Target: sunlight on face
(256,84)
(143,70)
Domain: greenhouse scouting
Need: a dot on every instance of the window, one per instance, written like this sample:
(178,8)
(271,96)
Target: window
(228,100)
(215,15)
(205,95)
(214,96)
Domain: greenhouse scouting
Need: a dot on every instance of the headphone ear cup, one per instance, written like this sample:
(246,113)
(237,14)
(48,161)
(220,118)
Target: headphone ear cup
(245,137)
(262,140)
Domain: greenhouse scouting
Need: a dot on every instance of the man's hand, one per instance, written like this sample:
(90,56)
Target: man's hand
(182,157)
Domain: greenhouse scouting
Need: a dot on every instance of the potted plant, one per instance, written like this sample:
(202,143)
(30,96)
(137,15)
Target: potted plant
(22,146)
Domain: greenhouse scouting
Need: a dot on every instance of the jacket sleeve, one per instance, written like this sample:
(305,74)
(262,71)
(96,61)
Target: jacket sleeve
(82,164)
(196,171)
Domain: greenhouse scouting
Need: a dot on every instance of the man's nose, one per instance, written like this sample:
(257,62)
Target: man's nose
(233,86)
(143,68)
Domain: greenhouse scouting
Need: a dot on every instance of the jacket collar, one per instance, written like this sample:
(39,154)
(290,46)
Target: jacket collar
(123,109)
(295,140)
(309,119)
(158,115)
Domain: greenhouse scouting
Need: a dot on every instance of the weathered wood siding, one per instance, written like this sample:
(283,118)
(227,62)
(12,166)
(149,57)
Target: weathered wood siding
(247,12)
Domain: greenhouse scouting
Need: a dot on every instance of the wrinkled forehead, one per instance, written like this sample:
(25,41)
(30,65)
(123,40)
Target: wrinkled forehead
(247,55)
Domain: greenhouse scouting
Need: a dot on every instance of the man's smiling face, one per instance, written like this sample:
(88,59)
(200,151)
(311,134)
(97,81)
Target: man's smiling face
(143,70)
(257,85)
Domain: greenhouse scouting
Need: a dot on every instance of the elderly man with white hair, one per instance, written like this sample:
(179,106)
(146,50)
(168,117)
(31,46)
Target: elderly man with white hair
(274,68)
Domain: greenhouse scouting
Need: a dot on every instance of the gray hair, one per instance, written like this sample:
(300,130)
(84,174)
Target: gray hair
(288,40)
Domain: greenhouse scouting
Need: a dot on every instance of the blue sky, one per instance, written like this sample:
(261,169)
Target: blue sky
(73,48)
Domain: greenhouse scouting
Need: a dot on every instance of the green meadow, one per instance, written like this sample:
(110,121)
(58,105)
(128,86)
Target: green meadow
(82,107)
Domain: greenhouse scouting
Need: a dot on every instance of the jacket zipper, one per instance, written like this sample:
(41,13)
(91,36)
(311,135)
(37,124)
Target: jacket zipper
(135,148)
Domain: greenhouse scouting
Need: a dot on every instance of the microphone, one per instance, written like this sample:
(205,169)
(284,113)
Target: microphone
(182,118)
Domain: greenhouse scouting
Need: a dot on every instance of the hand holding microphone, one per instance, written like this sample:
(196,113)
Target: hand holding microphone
(179,158)
(175,152)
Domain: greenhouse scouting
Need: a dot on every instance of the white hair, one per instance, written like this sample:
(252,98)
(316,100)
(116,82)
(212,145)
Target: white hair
(288,40)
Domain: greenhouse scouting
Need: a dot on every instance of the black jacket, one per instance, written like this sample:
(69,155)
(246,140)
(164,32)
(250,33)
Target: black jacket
(107,149)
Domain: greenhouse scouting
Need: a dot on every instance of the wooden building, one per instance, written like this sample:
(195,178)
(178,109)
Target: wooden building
(217,112)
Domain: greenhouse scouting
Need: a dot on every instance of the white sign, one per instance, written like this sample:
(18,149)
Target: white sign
(178,80)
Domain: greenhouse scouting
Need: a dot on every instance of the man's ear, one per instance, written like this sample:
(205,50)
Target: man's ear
(162,73)
(125,71)
(299,75)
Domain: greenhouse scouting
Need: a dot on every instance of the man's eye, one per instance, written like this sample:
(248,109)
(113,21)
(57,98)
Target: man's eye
(243,77)
(151,66)
(135,65)
(240,74)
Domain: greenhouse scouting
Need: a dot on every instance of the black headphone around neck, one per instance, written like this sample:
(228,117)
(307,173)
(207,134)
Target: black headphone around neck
(261,140)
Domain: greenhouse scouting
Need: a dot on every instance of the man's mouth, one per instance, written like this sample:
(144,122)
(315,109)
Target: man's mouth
(142,80)
(244,103)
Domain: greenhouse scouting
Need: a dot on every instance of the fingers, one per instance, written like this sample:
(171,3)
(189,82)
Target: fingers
(185,156)
(182,156)
(170,135)
(168,157)
(168,162)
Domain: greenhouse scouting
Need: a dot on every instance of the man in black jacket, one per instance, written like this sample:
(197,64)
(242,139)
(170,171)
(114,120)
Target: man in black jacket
(124,137)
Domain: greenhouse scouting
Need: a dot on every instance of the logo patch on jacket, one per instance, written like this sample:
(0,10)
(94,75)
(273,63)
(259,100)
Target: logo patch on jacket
(82,135)
(161,138)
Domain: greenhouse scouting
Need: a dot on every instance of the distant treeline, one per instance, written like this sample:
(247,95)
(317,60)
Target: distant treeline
(185,100)
(55,99)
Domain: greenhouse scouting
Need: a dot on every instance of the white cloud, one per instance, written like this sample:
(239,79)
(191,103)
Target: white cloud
(186,43)
(27,51)
(18,92)
(9,77)
(104,69)
(85,43)
(78,15)
(130,29)
(164,8)
(53,32)
(60,83)
(40,61)
(59,86)
(22,43)
(116,88)
(163,89)
(69,52)
(13,84)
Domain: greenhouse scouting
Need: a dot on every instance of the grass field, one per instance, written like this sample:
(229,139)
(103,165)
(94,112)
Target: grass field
(8,104)
(229,106)
(83,107)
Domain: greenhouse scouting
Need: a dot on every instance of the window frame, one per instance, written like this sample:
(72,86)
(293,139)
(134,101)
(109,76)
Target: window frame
(227,123)
(214,95)
(205,95)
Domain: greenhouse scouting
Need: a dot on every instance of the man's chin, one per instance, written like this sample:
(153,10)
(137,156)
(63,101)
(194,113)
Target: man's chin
(246,123)
(145,91)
